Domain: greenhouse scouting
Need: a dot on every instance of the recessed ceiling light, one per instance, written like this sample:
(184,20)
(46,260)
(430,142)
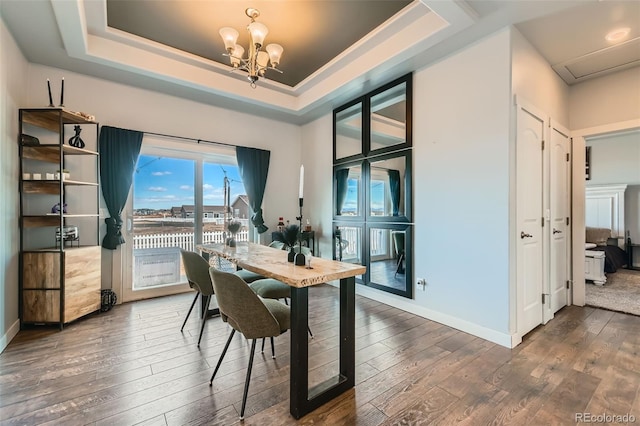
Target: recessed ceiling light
(617,34)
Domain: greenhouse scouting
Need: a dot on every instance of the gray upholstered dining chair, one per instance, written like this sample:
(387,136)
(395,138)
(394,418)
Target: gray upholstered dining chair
(249,276)
(197,270)
(270,288)
(249,314)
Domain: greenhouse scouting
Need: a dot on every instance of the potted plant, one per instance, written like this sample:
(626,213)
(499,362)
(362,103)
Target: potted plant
(288,236)
(233,227)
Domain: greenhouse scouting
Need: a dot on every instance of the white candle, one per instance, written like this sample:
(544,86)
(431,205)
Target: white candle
(301,181)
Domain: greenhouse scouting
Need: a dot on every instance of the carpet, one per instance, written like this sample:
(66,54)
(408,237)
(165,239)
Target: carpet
(621,293)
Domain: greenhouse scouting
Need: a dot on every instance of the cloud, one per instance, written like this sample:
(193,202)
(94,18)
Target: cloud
(160,173)
(157,189)
(207,186)
(185,187)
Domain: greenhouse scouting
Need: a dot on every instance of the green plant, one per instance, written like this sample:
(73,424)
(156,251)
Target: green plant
(234,226)
(288,236)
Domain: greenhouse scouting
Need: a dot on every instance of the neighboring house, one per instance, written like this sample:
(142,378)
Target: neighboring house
(240,207)
(176,211)
(187,211)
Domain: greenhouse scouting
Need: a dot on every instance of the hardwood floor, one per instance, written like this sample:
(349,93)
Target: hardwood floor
(133,366)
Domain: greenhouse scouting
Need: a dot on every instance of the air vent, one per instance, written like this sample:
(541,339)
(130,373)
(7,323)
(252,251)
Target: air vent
(601,62)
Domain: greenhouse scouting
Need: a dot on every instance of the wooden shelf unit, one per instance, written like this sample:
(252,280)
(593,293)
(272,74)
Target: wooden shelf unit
(61,283)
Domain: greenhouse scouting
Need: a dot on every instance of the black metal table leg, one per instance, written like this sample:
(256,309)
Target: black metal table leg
(302,399)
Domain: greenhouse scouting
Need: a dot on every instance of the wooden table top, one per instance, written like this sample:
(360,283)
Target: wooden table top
(272,263)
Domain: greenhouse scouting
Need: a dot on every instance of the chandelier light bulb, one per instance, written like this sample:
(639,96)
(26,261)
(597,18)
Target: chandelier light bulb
(236,55)
(230,38)
(275,52)
(258,32)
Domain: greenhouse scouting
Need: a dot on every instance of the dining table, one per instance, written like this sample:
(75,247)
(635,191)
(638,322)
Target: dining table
(272,263)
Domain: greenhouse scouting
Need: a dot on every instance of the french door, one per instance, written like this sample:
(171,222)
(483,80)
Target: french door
(177,201)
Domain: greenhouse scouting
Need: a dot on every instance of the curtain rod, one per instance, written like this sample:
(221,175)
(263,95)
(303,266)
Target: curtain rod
(188,139)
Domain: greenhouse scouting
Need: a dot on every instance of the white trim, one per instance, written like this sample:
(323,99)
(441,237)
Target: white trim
(614,195)
(9,335)
(579,196)
(502,339)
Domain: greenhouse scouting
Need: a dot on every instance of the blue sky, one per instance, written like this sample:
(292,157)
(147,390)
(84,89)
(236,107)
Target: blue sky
(162,183)
(376,194)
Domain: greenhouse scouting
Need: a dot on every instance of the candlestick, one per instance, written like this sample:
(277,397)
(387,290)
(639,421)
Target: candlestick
(301,181)
(62,93)
(50,98)
(300,259)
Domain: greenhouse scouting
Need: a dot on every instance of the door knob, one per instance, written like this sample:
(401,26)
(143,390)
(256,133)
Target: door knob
(525,235)
(557,231)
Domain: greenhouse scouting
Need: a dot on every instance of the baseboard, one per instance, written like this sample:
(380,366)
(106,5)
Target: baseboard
(9,335)
(502,339)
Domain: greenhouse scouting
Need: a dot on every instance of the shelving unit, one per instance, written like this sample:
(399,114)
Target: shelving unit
(59,282)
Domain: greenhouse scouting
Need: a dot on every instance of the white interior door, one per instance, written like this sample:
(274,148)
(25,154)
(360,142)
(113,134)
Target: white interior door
(559,196)
(529,269)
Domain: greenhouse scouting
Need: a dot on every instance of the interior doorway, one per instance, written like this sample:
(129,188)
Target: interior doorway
(612,207)
(578,198)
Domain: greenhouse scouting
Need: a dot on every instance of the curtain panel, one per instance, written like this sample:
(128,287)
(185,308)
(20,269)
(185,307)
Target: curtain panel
(119,150)
(394,186)
(253,165)
(342,177)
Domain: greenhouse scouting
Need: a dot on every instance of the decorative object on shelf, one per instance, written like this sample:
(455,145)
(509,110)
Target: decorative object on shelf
(28,140)
(233,227)
(62,94)
(258,60)
(26,176)
(56,208)
(76,140)
(37,176)
(280,226)
(65,174)
(288,236)
(84,115)
(49,176)
(307,227)
(69,234)
(50,97)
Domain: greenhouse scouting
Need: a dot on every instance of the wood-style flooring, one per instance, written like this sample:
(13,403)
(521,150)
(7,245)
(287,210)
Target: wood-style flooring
(132,365)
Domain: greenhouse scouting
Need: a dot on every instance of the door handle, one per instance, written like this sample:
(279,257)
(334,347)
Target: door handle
(525,235)
(557,231)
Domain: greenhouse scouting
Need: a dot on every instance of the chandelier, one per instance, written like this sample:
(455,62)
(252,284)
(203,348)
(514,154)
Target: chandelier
(258,60)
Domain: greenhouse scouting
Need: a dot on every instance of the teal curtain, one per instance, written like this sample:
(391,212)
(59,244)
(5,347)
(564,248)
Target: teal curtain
(394,186)
(342,179)
(119,150)
(253,165)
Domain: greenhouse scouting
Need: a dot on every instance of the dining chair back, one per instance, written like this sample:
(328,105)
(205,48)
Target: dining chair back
(247,313)
(196,269)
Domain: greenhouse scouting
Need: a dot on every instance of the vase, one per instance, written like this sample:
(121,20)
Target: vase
(292,255)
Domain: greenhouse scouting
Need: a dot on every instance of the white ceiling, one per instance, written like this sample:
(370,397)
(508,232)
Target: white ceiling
(75,36)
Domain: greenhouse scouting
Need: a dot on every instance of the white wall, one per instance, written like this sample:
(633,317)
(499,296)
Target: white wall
(535,80)
(616,159)
(609,99)
(12,95)
(461,201)
(317,157)
(461,189)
